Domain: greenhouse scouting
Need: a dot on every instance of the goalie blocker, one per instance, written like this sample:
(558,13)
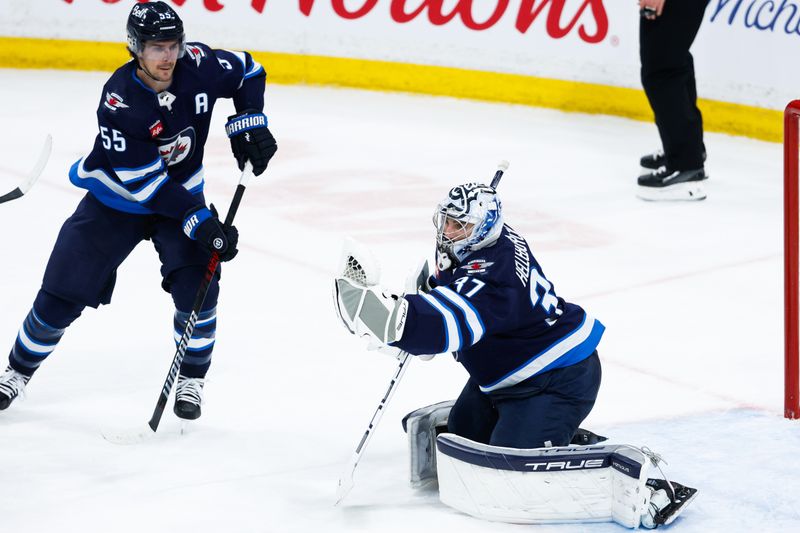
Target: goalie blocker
(542,485)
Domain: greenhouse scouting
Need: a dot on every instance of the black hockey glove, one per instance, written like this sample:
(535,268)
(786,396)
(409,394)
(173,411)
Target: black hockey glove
(203,225)
(251,139)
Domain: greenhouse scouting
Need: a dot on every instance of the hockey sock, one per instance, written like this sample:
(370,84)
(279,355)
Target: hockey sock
(35,341)
(198,353)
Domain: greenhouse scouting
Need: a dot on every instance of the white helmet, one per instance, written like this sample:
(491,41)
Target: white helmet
(478,210)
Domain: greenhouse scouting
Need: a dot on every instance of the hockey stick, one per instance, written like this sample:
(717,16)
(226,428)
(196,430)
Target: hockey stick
(346,481)
(33,175)
(180,352)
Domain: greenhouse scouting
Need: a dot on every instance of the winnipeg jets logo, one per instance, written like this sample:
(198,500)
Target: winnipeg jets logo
(177,148)
(114,101)
(196,53)
(476,266)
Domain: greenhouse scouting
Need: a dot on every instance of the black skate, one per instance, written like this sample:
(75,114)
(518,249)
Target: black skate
(188,397)
(666,184)
(653,161)
(12,384)
(666,505)
(657,160)
(584,437)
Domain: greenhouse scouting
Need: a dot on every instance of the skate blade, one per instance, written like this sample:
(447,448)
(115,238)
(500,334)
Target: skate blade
(689,495)
(186,426)
(128,437)
(690,191)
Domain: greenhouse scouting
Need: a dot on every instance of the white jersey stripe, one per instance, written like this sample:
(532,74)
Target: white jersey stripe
(141,195)
(537,363)
(128,175)
(474,321)
(146,192)
(451,324)
(195,180)
(256,68)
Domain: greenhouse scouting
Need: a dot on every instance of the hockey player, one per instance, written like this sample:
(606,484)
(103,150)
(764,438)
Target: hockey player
(144,178)
(531,356)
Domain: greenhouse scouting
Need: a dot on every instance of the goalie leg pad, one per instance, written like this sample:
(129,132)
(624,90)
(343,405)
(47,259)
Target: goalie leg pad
(543,485)
(422,427)
(367,311)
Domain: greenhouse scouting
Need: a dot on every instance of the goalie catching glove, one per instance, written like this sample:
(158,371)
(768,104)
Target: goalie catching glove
(366,311)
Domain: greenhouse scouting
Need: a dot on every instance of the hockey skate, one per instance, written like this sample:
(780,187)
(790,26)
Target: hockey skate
(667,501)
(584,437)
(657,160)
(653,161)
(12,384)
(188,397)
(665,184)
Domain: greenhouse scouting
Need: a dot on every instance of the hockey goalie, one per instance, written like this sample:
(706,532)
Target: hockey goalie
(534,374)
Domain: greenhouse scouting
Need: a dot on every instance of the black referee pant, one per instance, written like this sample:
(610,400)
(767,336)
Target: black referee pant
(669,82)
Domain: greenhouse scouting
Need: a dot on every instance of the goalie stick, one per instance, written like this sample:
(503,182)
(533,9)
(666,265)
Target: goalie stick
(346,480)
(33,175)
(502,166)
(180,352)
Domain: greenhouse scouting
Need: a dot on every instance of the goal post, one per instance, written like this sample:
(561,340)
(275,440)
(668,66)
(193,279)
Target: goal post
(790,258)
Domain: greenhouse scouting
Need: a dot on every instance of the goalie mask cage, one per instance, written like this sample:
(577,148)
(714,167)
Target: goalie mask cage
(790,258)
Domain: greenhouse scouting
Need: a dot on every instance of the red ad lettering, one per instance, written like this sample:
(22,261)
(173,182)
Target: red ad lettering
(342,11)
(437,16)
(529,11)
(590,18)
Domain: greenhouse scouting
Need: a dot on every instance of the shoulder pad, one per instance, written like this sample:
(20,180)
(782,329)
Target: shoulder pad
(122,93)
(197,54)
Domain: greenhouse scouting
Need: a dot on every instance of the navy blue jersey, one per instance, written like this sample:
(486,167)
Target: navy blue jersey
(500,316)
(148,155)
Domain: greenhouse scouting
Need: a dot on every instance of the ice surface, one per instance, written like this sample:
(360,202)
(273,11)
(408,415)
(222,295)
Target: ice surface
(690,294)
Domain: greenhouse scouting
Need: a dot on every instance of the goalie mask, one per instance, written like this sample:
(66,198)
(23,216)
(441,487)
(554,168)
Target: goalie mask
(468,219)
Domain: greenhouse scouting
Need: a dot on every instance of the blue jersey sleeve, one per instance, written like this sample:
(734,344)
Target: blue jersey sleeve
(240,77)
(457,315)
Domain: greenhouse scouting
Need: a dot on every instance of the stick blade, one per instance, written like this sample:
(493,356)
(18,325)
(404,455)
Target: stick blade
(129,437)
(33,175)
(346,484)
(37,170)
(13,195)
